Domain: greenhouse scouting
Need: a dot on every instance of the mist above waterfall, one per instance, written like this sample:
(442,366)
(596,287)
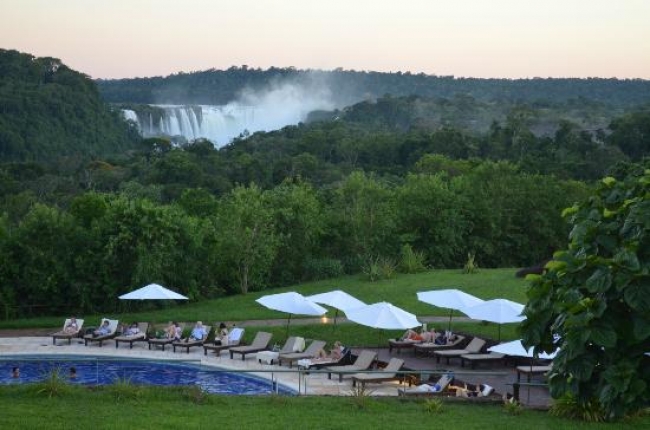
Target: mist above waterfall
(279,104)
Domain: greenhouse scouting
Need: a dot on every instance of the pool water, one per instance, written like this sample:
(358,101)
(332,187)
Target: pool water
(92,371)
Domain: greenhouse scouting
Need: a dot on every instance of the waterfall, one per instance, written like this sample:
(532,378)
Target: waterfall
(219,124)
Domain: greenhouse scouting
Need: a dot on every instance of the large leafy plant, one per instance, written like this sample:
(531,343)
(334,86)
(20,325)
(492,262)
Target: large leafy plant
(594,300)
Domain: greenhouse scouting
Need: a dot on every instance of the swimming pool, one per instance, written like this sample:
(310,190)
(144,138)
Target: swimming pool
(103,371)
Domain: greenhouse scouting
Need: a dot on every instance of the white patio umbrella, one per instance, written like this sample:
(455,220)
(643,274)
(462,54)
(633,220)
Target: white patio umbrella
(383,315)
(291,303)
(516,349)
(340,300)
(452,299)
(500,311)
(153,292)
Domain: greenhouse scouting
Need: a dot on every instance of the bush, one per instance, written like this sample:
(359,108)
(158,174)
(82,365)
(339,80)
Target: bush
(411,261)
(323,268)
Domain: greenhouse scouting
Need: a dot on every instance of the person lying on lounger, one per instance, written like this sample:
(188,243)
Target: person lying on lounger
(480,390)
(426,388)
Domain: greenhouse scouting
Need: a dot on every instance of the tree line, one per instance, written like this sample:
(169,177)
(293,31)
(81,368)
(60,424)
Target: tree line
(101,244)
(222,86)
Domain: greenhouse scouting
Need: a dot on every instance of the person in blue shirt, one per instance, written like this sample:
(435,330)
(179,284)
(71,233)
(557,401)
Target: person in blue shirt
(198,332)
(104,330)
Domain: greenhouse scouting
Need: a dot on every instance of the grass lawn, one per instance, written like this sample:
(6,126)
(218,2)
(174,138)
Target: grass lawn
(174,408)
(400,291)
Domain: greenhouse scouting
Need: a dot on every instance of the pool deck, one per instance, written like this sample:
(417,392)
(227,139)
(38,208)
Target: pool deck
(311,383)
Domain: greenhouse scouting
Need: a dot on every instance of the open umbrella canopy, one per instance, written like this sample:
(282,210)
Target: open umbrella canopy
(500,311)
(292,303)
(337,299)
(516,349)
(452,299)
(153,292)
(383,315)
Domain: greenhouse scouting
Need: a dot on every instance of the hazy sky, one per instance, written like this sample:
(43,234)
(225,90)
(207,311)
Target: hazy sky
(479,38)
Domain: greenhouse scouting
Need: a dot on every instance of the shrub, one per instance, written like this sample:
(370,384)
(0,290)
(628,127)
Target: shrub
(433,406)
(124,389)
(411,261)
(53,385)
(387,268)
(323,268)
(567,407)
(470,266)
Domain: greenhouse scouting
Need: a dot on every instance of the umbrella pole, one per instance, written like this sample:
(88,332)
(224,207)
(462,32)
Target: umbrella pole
(287,331)
(449,325)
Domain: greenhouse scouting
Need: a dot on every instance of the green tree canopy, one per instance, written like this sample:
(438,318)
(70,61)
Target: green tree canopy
(595,298)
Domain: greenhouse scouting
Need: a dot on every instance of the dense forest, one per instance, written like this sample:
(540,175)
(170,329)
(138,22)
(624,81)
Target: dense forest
(222,86)
(48,111)
(374,188)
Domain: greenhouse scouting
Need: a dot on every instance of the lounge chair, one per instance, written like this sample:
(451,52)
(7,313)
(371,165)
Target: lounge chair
(162,342)
(474,359)
(427,390)
(141,336)
(63,334)
(260,343)
(188,343)
(389,373)
(427,348)
(310,352)
(474,347)
(363,362)
(112,325)
(234,338)
(400,344)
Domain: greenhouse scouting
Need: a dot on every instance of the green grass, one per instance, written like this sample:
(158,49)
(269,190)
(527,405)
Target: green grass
(174,408)
(400,291)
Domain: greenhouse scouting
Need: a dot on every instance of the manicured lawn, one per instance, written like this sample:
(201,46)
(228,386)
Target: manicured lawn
(400,291)
(155,408)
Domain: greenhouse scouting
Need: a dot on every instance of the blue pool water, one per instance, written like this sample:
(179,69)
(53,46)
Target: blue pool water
(94,371)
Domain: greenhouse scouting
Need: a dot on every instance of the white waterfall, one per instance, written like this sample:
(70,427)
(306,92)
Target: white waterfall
(215,123)
(271,109)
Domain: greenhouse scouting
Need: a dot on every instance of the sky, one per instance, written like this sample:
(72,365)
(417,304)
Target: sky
(463,38)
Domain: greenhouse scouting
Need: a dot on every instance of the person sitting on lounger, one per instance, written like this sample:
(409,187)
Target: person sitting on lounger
(335,353)
(72,326)
(222,335)
(131,330)
(198,332)
(174,331)
(104,330)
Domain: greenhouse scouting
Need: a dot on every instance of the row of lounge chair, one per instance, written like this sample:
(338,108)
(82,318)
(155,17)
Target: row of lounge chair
(470,354)
(142,336)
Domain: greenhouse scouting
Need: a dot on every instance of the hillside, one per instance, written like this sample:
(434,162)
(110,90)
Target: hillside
(48,110)
(347,87)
